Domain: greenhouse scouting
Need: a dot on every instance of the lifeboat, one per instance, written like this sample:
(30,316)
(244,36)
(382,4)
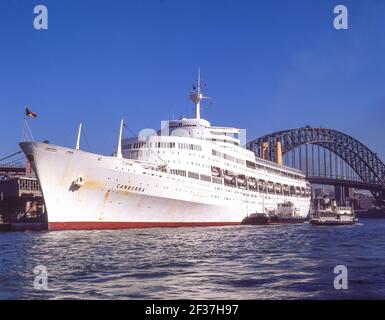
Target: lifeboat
(216,172)
(241,179)
(262,185)
(251,183)
(229,177)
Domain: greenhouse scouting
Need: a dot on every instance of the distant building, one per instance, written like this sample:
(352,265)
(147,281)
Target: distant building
(365,202)
(20,197)
(322,192)
(21,200)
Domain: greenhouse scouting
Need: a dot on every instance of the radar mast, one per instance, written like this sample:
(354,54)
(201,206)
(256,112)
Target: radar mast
(196,96)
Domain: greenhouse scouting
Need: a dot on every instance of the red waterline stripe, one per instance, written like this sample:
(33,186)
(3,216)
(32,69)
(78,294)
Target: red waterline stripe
(131,225)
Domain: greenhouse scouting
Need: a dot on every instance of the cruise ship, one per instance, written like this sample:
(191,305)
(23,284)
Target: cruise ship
(188,173)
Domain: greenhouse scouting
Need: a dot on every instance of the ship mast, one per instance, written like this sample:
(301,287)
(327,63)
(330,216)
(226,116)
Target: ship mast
(119,146)
(78,137)
(196,96)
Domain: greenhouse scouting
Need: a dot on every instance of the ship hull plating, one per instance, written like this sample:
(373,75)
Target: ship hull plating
(89,191)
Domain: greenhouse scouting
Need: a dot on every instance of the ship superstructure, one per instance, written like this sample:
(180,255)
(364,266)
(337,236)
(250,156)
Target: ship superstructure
(189,173)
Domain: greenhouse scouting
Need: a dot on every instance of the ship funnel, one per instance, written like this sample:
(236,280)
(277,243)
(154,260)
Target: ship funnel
(278,152)
(265,150)
(119,147)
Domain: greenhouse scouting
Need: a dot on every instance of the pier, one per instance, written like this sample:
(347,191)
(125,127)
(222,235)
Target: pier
(21,200)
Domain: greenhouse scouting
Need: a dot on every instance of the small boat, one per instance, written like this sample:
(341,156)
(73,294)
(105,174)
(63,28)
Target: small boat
(286,213)
(251,183)
(257,219)
(270,187)
(339,216)
(333,215)
(241,179)
(229,179)
(265,218)
(216,172)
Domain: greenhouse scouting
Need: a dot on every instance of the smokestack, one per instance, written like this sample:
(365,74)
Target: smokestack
(278,152)
(265,150)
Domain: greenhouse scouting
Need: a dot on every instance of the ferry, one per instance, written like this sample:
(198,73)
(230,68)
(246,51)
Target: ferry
(188,173)
(331,214)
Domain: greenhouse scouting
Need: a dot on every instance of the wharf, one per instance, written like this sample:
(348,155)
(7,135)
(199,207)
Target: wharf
(21,202)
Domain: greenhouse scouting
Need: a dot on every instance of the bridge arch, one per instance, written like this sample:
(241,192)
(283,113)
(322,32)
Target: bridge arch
(363,161)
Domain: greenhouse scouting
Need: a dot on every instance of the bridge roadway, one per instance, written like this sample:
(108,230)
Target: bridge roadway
(343,182)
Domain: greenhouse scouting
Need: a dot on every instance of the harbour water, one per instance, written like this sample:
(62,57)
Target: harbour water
(240,262)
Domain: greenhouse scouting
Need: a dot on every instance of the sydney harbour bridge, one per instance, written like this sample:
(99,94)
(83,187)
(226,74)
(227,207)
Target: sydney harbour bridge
(327,157)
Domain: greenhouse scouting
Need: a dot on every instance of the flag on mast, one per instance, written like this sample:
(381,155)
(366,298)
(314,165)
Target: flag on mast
(29,113)
(27,135)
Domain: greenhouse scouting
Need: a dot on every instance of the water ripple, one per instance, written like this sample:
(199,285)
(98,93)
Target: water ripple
(242,262)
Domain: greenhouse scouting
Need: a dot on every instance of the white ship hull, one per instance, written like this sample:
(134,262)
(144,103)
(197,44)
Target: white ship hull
(119,193)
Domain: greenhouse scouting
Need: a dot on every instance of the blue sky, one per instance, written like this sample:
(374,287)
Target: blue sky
(270,65)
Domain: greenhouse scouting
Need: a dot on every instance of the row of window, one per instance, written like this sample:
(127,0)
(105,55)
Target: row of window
(223,140)
(179,125)
(227,157)
(189,146)
(29,185)
(246,183)
(165,145)
(178,172)
(136,145)
(277,171)
(253,165)
(171,145)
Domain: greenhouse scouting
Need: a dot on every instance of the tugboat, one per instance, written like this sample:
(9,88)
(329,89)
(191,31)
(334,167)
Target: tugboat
(285,212)
(332,214)
(257,219)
